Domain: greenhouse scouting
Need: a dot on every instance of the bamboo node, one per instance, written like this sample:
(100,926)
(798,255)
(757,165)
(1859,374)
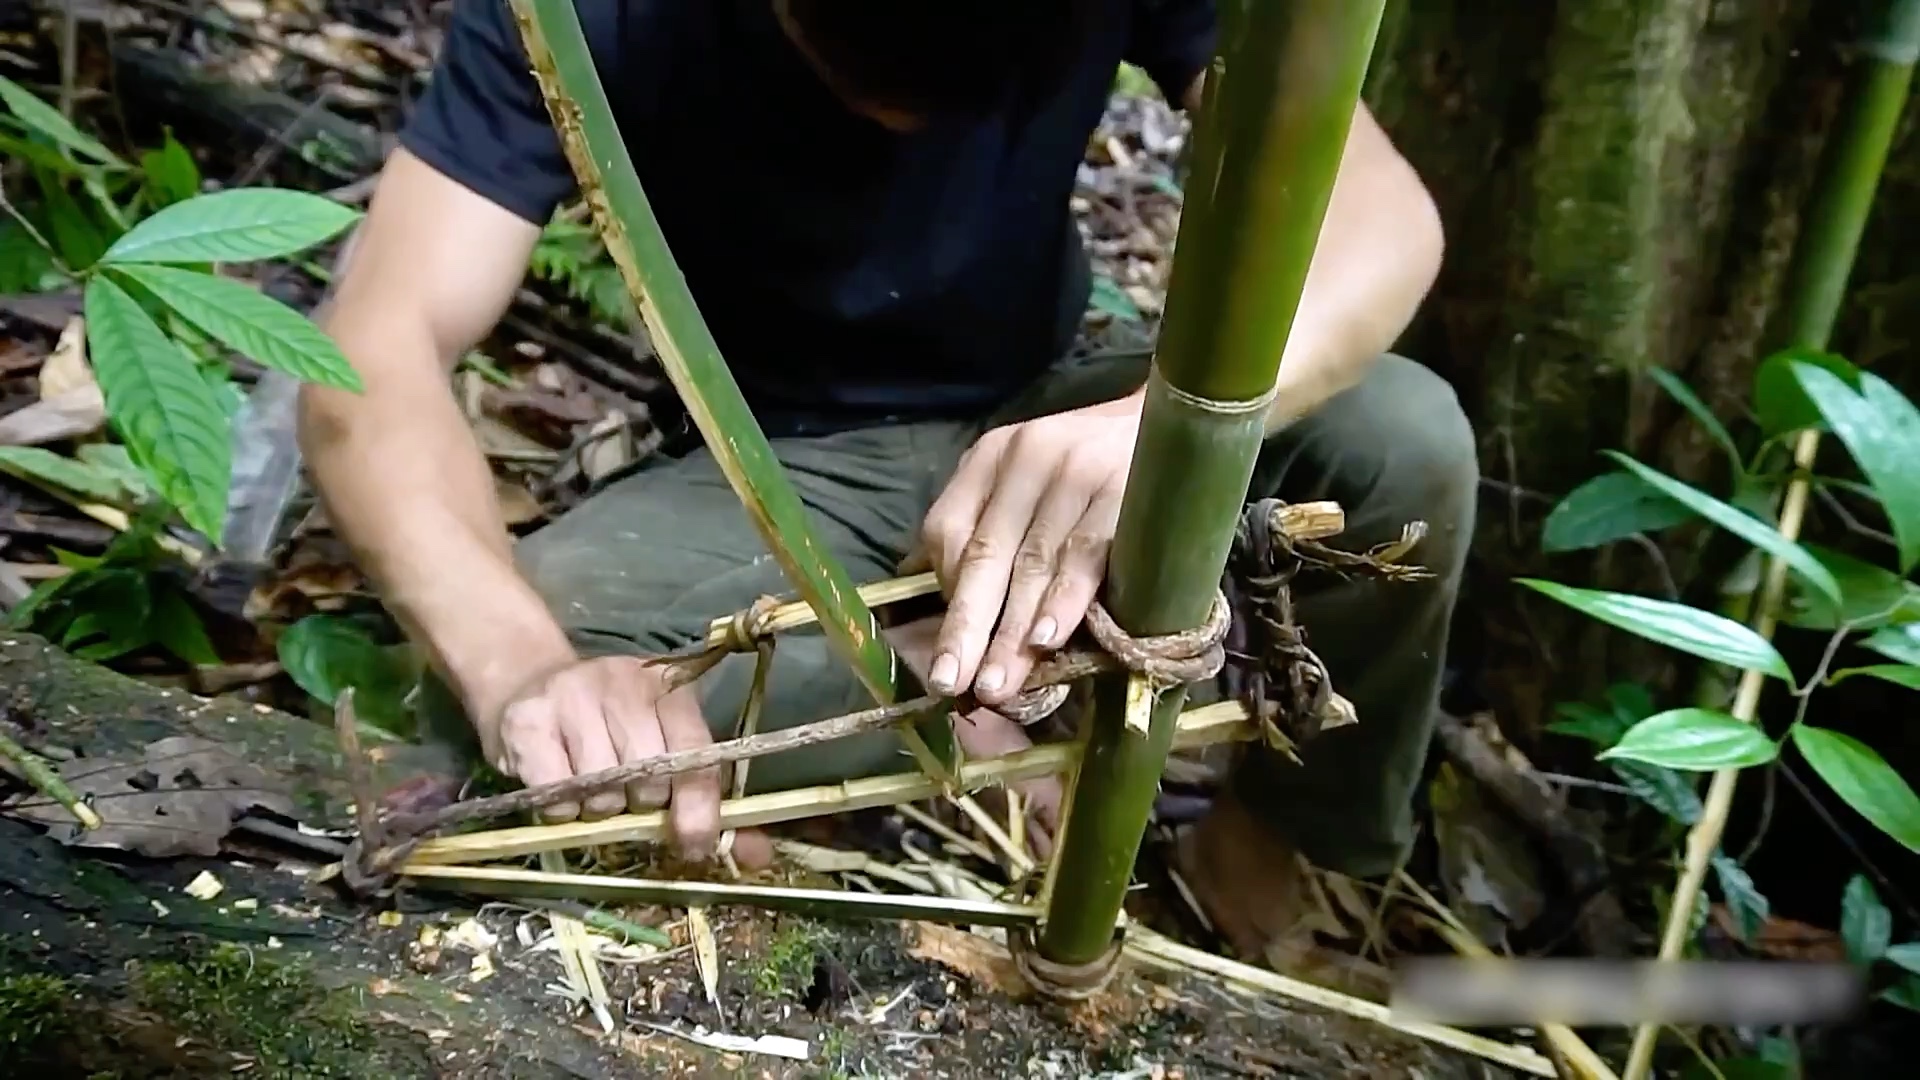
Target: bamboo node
(1058,981)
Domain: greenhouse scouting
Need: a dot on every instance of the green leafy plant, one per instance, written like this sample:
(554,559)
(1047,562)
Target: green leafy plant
(326,654)
(1858,602)
(569,254)
(143,244)
(120,601)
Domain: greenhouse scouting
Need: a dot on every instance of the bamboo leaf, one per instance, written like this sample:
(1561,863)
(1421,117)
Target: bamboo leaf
(1609,507)
(1866,926)
(1745,902)
(1881,429)
(1901,643)
(1906,675)
(46,120)
(1906,956)
(237,225)
(1699,740)
(1677,626)
(1864,780)
(1778,399)
(1745,526)
(249,322)
(160,405)
(1870,596)
(1677,389)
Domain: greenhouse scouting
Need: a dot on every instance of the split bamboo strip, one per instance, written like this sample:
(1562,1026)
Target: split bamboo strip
(583,116)
(1153,948)
(1223,722)
(510,883)
(1854,159)
(1279,102)
(45,779)
(797,613)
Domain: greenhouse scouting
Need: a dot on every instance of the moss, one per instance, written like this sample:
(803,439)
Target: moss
(34,1011)
(274,1013)
(786,969)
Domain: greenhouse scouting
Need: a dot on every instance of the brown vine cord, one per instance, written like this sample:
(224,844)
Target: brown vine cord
(1270,655)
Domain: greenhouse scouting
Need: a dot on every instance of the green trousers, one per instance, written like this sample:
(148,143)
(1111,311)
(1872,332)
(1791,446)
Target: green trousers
(643,565)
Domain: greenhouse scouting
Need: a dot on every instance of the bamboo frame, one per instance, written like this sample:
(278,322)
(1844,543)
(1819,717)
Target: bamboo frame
(1223,722)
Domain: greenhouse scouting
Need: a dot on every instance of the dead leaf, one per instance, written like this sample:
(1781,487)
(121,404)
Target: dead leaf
(706,953)
(609,447)
(180,798)
(77,412)
(66,368)
(517,504)
(1786,939)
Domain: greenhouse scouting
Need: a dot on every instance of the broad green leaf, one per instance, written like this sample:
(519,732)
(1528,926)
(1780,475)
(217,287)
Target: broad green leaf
(177,627)
(1737,522)
(77,238)
(172,175)
(25,266)
(1779,401)
(27,612)
(1870,595)
(327,654)
(1905,675)
(1682,393)
(1597,726)
(1606,508)
(1906,956)
(1109,298)
(1881,429)
(113,460)
(1864,780)
(239,225)
(1866,926)
(249,322)
(39,155)
(1666,790)
(46,120)
(1677,626)
(43,466)
(1745,902)
(1900,643)
(160,405)
(1698,740)
(103,616)
(1905,993)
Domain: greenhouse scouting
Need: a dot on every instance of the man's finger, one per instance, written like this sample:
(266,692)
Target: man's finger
(1010,656)
(533,751)
(581,716)
(636,733)
(979,579)
(1077,576)
(695,811)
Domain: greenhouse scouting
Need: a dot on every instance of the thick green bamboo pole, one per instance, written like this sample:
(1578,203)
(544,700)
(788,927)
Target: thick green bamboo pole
(1279,100)
(1816,284)
(583,117)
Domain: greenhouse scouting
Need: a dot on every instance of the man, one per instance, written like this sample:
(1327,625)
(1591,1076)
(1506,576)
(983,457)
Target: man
(869,201)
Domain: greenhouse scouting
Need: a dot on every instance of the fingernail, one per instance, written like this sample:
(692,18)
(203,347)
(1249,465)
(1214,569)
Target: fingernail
(1043,631)
(991,677)
(946,672)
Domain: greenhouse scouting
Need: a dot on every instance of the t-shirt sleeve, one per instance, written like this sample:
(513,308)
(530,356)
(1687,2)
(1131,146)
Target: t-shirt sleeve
(482,122)
(1172,41)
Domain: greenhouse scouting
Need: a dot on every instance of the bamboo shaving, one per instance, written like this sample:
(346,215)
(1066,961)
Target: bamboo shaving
(706,954)
(577,954)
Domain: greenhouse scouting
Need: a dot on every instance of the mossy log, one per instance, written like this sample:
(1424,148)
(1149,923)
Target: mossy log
(109,967)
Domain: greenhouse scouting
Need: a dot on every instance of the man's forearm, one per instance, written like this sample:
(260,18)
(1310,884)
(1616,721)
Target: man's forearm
(407,486)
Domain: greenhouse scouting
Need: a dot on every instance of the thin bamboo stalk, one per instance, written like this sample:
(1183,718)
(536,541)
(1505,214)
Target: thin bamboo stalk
(1280,99)
(1154,948)
(45,779)
(1224,722)
(1816,284)
(831,903)
(582,115)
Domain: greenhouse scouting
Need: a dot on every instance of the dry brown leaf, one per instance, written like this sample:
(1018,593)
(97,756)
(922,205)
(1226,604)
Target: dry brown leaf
(66,368)
(180,797)
(77,412)
(517,504)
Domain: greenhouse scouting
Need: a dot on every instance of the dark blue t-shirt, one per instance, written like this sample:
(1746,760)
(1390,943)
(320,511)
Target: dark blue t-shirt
(851,275)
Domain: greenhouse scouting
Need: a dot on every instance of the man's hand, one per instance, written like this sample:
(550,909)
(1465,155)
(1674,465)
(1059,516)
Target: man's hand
(1019,540)
(596,714)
